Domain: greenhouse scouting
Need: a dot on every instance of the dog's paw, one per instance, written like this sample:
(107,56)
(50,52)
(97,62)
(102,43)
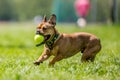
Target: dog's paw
(36,63)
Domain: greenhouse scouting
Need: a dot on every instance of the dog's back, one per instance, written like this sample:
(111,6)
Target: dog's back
(70,44)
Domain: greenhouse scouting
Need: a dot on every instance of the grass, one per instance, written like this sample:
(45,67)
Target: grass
(18,51)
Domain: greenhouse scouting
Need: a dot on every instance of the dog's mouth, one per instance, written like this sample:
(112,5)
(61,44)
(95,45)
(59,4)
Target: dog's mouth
(46,37)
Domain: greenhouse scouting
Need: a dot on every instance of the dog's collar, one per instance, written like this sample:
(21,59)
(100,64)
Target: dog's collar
(51,42)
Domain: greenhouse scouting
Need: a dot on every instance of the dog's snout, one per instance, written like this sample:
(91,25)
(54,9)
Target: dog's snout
(38,32)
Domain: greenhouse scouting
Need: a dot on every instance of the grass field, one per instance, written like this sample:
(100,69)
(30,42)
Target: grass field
(18,51)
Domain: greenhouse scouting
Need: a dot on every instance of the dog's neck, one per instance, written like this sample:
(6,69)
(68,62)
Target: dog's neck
(52,41)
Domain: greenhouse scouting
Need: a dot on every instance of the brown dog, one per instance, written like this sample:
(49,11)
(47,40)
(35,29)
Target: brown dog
(65,45)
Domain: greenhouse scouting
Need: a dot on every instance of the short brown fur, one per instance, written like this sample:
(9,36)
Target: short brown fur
(67,45)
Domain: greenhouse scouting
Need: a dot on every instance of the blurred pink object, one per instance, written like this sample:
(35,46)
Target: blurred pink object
(82,7)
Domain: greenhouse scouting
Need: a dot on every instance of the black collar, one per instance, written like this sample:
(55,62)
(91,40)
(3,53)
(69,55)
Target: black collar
(51,42)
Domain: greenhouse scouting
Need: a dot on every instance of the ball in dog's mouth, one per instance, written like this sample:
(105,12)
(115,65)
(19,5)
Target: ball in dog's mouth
(41,41)
(38,38)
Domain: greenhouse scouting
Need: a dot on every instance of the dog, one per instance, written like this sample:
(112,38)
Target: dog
(62,46)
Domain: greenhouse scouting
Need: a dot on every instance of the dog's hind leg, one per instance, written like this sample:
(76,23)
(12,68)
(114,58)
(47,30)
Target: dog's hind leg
(90,52)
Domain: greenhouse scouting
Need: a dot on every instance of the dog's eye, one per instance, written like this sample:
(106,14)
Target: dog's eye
(44,28)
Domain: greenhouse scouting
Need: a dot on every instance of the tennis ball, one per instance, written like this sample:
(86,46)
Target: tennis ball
(38,39)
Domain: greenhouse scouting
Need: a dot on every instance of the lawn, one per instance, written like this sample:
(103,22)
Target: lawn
(18,52)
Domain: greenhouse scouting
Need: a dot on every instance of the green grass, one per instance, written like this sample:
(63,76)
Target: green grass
(18,51)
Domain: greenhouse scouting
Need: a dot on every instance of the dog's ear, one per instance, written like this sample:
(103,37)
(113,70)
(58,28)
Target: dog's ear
(44,18)
(52,19)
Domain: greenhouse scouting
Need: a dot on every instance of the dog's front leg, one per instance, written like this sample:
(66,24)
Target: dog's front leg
(55,59)
(45,55)
(41,59)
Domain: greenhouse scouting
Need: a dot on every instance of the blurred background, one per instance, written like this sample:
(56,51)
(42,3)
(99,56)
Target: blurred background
(18,22)
(25,10)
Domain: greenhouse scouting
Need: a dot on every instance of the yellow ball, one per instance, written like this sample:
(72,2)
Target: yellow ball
(38,39)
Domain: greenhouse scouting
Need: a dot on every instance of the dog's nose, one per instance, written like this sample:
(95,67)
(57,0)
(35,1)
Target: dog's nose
(37,32)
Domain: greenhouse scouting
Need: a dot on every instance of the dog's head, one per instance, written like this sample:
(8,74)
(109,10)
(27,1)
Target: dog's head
(47,28)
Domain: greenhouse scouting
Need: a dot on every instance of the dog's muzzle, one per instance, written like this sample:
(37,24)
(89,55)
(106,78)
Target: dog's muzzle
(38,32)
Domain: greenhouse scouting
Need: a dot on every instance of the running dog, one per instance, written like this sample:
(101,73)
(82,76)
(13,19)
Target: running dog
(62,45)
